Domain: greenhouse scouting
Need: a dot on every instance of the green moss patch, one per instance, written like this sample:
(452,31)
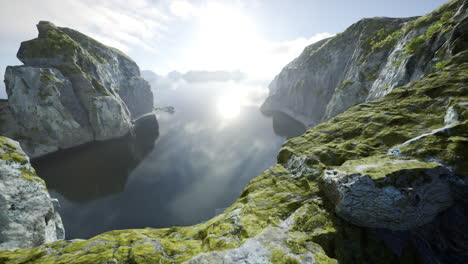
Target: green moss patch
(440,24)
(8,152)
(344,84)
(31,176)
(99,87)
(53,43)
(379,167)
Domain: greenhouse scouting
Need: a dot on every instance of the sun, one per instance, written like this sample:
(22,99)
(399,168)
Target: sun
(229,106)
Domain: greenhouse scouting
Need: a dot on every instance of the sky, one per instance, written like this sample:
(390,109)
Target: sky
(257,37)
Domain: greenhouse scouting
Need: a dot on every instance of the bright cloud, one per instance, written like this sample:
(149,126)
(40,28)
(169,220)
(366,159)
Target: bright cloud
(161,35)
(228,39)
(183,9)
(115,23)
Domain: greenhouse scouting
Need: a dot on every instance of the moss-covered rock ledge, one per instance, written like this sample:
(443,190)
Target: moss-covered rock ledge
(284,215)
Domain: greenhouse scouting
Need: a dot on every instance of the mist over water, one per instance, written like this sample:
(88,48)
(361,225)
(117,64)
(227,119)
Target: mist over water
(204,156)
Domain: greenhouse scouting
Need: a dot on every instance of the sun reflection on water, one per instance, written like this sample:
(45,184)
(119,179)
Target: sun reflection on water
(229,105)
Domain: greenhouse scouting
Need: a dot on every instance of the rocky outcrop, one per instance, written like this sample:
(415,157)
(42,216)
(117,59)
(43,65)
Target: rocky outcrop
(71,90)
(145,136)
(28,216)
(389,193)
(365,62)
(293,213)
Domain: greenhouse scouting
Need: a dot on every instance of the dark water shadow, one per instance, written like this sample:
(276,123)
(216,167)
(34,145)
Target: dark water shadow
(286,126)
(94,170)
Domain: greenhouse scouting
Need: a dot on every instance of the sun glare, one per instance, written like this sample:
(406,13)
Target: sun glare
(225,37)
(229,106)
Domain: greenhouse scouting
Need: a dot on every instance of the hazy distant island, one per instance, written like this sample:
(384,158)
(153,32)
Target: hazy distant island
(165,109)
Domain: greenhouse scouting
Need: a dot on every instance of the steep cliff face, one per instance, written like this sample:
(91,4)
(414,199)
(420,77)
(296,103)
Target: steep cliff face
(28,216)
(365,62)
(71,90)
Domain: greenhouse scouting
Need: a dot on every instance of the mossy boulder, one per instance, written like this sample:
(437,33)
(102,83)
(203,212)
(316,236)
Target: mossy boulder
(28,216)
(383,192)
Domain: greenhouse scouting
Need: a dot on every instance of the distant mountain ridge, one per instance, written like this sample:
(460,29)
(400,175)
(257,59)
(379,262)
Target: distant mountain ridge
(197,76)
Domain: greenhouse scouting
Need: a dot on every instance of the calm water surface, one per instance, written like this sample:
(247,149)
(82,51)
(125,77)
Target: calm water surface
(207,151)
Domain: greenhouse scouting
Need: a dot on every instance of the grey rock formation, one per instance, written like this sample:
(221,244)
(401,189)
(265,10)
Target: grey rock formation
(46,111)
(124,74)
(7,120)
(144,134)
(366,62)
(389,193)
(28,216)
(261,248)
(71,90)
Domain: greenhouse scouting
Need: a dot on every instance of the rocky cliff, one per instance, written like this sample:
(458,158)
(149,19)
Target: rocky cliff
(383,182)
(70,90)
(365,62)
(28,216)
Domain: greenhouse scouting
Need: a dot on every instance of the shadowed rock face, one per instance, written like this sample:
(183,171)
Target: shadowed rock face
(28,216)
(389,193)
(367,61)
(72,90)
(145,134)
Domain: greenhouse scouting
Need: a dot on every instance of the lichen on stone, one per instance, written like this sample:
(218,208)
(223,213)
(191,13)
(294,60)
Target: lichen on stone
(8,152)
(51,42)
(380,167)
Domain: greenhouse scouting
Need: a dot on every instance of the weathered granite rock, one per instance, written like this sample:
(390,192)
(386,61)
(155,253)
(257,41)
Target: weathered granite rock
(28,216)
(7,120)
(395,194)
(365,62)
(47,114)
(72,90)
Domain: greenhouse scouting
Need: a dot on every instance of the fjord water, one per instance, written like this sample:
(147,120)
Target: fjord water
(206,153)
